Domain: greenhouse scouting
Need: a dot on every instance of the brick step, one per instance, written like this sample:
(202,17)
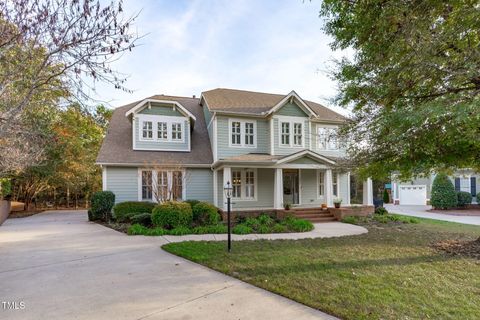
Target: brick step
(321,219)
(313,215)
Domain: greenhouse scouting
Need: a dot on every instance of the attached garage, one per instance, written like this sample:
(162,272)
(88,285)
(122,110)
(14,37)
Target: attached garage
(412,194)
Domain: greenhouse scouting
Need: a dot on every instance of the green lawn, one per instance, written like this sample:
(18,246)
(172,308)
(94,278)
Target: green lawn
(390,273)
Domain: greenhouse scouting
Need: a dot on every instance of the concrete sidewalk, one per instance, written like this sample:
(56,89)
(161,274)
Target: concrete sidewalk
(64,267)
(422,212)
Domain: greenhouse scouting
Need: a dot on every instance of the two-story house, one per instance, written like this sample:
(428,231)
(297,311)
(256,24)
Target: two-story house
(273,149)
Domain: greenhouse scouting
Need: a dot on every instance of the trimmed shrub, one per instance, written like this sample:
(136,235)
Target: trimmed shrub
(463,198)
(192,202)
(443,193)
(144,219)
(242,229)
(124,211)
(205,214)
(179,231)
(381,211)
(172,214)
(102,203)
(386,196)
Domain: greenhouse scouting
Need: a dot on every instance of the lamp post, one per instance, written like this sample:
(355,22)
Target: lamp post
(228,194)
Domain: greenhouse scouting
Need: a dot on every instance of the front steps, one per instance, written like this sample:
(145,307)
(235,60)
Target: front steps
(314,215)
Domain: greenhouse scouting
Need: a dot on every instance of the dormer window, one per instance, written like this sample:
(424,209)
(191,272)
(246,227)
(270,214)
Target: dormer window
(162,131)
(147,131)
(177,131)
(291,133)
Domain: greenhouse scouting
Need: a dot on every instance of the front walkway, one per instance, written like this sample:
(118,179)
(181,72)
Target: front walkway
(422,212)
(64,267)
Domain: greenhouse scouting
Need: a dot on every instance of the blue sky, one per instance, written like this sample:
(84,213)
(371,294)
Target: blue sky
(193,46)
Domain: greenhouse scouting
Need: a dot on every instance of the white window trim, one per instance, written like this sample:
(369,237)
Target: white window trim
(292,121)
(154,181)
(464,178)
(327,145)
(155,119)
(243,184)
(242,133)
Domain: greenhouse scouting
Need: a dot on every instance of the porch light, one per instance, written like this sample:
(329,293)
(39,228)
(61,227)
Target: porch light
(228,190)
(228,194)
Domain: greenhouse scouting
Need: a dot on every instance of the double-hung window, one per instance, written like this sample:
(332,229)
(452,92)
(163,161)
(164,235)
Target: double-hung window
(146,185)
(162,131)
(297,134)
(177,185)
(285,136)
(162,185)
(176,131)
(327,138)
(242,133)
(147,130)
(243,183)
(335,184)
(321,184)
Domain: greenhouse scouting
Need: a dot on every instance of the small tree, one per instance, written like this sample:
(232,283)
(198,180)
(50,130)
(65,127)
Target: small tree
(386,196)
(443,193)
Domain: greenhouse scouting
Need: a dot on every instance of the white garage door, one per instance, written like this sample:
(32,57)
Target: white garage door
(413,194)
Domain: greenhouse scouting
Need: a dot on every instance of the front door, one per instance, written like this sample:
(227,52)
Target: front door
(290,186)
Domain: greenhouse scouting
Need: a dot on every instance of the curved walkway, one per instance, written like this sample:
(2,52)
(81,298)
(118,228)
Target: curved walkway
(63,267)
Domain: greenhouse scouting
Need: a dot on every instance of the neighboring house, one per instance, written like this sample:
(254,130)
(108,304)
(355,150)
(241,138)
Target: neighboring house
(418,191)
(273,149)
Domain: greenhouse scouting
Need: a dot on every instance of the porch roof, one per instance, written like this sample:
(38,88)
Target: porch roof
(303,157)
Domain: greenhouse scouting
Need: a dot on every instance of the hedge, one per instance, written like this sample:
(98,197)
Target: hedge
(144,219)
(172,214)
(443,193)
(102,203)
(205,214)
(124,211)
(463,198)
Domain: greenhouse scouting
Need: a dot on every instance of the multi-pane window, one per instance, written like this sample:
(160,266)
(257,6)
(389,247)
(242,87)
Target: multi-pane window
(147,130)
(162,130)
(297,134)
(335,184)
(249,134)
(162,185)
(146,185)
(236,133)
(321,183)
(177,185)
(249,184)
(327,139)
(285,137)
(465,184)
(176,131)
(236,184)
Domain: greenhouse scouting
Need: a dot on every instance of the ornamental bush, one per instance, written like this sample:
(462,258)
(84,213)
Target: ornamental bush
(192,202)
(172,214)
(124,211)
(144,219)
(205,214)
(463,198)
(102,204)
(443,193)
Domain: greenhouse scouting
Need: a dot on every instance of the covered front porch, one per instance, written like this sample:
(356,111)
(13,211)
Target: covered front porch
(305,180)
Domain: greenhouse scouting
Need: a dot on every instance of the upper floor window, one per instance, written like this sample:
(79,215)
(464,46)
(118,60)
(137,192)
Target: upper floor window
(327,139)
(147,130)
(176,131)
(291,133)
(162,131)
(243,183)
(243,133)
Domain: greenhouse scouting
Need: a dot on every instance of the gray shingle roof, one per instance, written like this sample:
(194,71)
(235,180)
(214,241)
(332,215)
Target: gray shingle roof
(117,145)
(258,103)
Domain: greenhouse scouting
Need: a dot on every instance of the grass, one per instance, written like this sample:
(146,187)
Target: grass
(392,272)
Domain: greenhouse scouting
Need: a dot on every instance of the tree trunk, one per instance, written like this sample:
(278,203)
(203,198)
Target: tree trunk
(76,200)
(68,197)
(87,195)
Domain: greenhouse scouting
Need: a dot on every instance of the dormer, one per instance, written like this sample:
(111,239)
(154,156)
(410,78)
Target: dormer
(161,125)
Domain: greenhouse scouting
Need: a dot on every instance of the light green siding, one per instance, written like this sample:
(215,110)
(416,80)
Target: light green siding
(223,136)
(343,185)
(291,110)
(199,184)
(160,145)
(162,110)
(123,182)
(286,150)
(308,188)
(305,160)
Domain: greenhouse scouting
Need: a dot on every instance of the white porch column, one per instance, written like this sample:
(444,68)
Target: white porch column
(368,192)
(227,177)
(328,188)
(278,189)
(215,187)
(347,200)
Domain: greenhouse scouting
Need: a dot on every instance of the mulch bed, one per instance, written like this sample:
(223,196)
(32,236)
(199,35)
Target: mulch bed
(460,248)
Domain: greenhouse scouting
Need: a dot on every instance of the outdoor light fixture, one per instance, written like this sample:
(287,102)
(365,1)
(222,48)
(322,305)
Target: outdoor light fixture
(228,194)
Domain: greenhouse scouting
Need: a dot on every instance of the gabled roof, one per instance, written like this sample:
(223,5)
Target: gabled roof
(117,145)
(260,103)
(144,103)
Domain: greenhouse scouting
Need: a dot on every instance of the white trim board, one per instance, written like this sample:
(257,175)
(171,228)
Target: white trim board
(138,107)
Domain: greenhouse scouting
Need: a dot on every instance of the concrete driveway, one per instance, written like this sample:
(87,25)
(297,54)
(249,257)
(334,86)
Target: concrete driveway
(422,212)
(63,267)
